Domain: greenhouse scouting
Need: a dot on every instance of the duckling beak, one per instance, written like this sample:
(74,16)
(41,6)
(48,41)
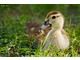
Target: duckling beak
(46,25)
(43,27)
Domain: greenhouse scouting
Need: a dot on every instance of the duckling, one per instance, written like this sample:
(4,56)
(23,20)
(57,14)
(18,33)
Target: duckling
(34,30)
(57,35)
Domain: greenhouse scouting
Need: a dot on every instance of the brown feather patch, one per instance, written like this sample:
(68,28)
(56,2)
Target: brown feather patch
(52,13)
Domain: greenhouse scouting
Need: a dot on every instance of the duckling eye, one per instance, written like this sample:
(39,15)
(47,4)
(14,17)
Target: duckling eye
(53,17)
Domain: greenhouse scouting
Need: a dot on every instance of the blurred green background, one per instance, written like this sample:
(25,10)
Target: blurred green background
(13,37)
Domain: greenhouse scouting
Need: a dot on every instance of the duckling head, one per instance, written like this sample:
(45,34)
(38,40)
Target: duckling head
(54,19)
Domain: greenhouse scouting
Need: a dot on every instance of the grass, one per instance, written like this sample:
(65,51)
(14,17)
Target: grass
(13,31)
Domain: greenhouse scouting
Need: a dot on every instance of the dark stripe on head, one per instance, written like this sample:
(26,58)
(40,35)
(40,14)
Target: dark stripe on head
(51,13)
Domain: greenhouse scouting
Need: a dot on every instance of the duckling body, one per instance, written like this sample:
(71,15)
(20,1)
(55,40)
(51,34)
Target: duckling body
(57,38)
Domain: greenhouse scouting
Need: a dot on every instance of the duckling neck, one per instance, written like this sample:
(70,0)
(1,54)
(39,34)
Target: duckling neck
(56,29)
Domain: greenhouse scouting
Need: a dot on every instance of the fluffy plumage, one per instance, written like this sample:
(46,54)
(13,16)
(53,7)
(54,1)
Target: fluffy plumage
(56,36)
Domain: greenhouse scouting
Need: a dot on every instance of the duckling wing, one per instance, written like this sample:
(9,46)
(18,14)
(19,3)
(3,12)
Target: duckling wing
(65,34)
(47,42)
